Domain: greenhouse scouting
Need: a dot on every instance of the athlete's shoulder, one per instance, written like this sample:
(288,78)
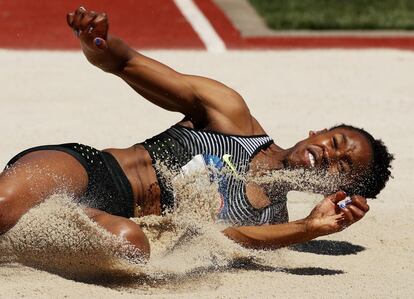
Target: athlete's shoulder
(224,125)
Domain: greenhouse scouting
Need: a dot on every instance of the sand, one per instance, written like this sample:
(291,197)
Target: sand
(55,97)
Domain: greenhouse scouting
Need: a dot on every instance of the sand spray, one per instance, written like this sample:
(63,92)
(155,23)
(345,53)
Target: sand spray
(57,236)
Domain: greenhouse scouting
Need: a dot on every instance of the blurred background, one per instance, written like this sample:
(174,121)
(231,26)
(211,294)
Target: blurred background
(337,14)
(217,24)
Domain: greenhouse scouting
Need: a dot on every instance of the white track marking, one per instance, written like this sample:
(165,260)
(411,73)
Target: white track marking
(201,25)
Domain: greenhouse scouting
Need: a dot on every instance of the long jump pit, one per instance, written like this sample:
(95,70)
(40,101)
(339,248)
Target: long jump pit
(55,251)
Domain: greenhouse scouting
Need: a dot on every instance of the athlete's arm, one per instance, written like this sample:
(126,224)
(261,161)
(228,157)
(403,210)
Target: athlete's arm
(326,218)
(202,100)
(270,236)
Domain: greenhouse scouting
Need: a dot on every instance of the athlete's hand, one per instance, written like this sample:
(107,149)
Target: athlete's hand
(327,217)
(99,48)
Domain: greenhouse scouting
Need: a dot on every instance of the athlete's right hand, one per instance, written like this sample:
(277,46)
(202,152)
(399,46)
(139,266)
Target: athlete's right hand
(327,217)
(100,49)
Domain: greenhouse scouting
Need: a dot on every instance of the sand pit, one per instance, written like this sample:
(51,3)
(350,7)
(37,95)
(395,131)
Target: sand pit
(56,97)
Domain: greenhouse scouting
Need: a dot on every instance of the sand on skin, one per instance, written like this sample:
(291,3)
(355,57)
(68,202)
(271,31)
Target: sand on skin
(56,97)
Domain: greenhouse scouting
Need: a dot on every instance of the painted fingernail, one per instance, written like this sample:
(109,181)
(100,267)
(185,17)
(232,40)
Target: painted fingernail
(98,41)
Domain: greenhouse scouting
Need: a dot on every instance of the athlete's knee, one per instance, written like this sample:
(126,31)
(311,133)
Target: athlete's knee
(126,229)
(133,233)
(7,216)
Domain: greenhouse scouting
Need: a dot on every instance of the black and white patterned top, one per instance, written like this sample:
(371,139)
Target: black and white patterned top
(178,145)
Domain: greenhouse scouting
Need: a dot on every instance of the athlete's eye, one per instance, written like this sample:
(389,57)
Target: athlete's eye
(335,142)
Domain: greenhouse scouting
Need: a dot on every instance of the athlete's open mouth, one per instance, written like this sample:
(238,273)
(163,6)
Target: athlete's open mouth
(314,155)
(312,159)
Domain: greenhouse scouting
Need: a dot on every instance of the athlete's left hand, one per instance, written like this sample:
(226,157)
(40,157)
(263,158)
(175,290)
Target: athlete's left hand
(327,217)
(101,49)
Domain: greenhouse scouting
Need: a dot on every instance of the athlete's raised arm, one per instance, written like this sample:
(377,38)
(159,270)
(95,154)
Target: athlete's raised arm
(202,100)
(326,218)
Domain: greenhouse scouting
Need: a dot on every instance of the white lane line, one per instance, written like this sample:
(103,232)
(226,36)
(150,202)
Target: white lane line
(201,25)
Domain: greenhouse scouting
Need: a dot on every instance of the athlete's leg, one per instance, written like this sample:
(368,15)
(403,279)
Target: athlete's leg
(123,227)
(39,174)
(33,178)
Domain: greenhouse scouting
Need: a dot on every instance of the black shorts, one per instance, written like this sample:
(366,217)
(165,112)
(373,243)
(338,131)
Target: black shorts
(108,188)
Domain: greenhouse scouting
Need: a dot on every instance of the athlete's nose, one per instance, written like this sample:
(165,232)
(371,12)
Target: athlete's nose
(331,154)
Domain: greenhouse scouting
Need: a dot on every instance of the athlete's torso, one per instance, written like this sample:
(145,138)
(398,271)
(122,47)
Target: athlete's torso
(243,203)
(260,208)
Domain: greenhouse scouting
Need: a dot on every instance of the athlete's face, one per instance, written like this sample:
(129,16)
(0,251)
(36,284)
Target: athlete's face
(341,150)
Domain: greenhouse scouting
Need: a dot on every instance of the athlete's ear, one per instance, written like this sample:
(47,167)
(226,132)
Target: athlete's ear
(313,133)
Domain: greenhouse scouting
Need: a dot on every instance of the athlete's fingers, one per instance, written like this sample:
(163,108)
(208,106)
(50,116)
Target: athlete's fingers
(340,222)
(101,25)
(101,17)
(86,22)
(360,202)
(69,19)
(349,217)
(338,196)
(78,16)
(356,213)
(101,20)
(359,198)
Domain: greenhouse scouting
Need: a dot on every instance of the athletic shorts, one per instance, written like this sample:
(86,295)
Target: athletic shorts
(108,188)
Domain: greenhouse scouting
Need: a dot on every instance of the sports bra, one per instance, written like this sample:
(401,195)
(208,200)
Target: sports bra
(178,145)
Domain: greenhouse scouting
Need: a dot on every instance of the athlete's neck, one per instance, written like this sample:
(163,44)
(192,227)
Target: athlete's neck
(273,157)
(278,155)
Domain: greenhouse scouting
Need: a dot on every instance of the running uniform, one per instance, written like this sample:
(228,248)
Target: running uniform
(178,145)
(108,189)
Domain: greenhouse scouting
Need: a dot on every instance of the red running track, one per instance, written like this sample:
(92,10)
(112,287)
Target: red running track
(155,24)
(41,24)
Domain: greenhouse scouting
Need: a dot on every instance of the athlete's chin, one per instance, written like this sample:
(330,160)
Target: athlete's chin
(295,161)
(296,164)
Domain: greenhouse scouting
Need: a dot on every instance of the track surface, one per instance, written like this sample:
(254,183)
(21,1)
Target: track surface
(41,24)
(154,24)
